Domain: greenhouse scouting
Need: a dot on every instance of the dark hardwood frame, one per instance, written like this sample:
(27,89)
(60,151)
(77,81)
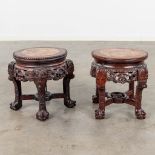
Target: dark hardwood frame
(39,75)
(119,73)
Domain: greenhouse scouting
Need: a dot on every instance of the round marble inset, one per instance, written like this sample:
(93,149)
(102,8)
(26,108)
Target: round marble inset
(40,53)
(119,55)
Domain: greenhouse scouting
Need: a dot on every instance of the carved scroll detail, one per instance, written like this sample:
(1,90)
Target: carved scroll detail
(122,75)
(49,73)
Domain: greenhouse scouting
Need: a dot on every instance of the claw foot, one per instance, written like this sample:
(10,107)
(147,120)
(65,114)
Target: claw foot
(99,114)
(95,99)
(15,105)
(42,115)
(140,114)
(70,103)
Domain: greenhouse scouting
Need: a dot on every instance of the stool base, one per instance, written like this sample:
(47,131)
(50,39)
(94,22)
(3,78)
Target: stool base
(39,75)
(119,73)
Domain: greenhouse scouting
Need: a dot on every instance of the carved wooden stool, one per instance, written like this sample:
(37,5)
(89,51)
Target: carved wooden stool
(40,65)
(120,66)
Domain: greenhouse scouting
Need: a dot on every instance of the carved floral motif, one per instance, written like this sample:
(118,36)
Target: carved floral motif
(40,75)
(49,73)
(121,75)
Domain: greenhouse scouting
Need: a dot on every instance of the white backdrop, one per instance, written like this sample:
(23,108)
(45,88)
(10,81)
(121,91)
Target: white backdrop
(77,20)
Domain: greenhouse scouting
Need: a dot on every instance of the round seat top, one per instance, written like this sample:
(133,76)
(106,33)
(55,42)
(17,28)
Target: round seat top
(119,55)
(40,54)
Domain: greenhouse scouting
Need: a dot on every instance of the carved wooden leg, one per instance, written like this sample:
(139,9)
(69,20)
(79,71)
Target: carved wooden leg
(95,98)
(139,112)
(42,114)
(17,104)
(66,88)
(100,81)
(142,83)
(66,84)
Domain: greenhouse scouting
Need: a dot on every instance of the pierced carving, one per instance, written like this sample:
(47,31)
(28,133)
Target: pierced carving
(122,75)
(49,73)
(40,74)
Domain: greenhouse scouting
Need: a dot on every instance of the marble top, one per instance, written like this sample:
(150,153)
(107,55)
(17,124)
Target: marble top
(119,55)
(40,53)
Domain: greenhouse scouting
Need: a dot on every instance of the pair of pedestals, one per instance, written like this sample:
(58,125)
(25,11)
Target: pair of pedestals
(42,64)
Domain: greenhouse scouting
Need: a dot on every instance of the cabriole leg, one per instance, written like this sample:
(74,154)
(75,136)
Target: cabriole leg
(66,85)
(139,112)
(142,83)
(42,114)
(17,104)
